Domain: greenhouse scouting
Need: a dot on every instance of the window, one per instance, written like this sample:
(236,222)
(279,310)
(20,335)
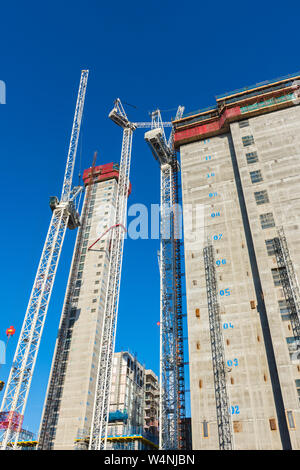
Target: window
(247,140)
(256,176)
(244,123)
(76,292)
(276,275)
(292,343)
(270,247)
(284,310)
(261,197)
(297,383)
(290,419)
(267,220)
(251,157)
(205,429)
(73,313)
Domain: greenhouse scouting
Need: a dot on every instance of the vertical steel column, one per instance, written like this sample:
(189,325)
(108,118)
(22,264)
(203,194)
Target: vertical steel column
(98,435)
(168,426)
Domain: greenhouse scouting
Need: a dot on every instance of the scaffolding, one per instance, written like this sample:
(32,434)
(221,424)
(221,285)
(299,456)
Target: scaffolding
(129,438)
(288,281)
(99,427)
(172,384)
(218,351)
(179,342)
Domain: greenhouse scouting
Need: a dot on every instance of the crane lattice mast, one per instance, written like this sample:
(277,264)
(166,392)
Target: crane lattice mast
(64,215)
(172,394)
(99,427)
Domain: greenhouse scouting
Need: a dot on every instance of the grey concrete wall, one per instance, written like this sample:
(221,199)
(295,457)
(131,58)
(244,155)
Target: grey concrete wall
(277,143)
(248,383)
(77,399)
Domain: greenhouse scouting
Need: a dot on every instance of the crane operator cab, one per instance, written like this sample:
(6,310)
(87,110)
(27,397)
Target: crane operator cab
(74,218)
(1,385)
(53,202)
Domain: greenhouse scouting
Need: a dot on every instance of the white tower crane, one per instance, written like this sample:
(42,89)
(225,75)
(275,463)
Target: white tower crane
(99,427)
(98,433)
(64,215)
(172,407)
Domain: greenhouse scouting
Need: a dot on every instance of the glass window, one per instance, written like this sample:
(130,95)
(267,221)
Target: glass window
(205,428)
(291,420)
(270,247)
(267,220)
(244,123)
(256,176)
(247,140)
(292,343)
(283,307)
(297,382)
(261,197)
(276,275)
(251,157)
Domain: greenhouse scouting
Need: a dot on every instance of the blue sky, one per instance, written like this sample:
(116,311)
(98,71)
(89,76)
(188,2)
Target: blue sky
(158,54)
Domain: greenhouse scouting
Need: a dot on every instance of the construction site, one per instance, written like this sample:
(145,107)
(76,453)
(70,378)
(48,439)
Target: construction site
(228,267)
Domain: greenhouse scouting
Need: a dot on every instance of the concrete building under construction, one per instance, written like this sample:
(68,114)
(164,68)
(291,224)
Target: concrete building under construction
(240,162)
(70,396)
(131,424)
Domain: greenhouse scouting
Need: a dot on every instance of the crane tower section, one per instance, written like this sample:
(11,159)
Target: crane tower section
(98,434)
(19,381)
(172,396)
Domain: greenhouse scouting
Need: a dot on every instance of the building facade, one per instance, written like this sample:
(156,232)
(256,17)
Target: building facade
(133,422)
(240,162)
(151,414)
(70,395)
